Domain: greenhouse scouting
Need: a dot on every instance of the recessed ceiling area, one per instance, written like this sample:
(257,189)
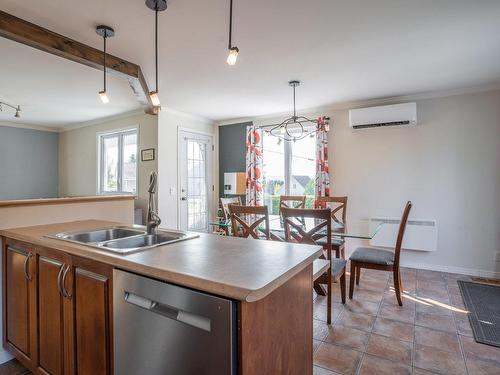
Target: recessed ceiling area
(55,92)
(340,50)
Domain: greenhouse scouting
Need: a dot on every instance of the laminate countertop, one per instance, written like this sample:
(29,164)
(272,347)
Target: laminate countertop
(237,268)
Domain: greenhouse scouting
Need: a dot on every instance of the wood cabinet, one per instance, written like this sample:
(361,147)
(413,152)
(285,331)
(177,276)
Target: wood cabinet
(19,303)
(57,311)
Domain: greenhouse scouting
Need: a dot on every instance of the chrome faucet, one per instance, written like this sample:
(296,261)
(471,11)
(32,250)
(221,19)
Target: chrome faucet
(152,220)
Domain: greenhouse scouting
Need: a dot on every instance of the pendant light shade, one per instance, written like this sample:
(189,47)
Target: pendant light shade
(233,50)
(105,32)
(156,6)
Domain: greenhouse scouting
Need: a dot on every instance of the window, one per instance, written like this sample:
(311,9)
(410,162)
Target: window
(118,162)
(289,169)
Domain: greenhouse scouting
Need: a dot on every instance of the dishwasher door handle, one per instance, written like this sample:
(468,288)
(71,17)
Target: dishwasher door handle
(167,311)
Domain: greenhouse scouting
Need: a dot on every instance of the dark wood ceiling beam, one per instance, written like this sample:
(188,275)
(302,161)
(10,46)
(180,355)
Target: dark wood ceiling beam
(32,35)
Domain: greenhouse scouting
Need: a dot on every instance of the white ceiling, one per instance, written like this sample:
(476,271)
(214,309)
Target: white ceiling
(340,50)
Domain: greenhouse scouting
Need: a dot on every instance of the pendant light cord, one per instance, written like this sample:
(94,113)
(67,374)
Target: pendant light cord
(156,45)
(294,111)
(230,23)
(105,37)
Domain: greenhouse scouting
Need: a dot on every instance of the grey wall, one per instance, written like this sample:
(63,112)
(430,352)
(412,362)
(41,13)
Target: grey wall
(232,143)
(28,163)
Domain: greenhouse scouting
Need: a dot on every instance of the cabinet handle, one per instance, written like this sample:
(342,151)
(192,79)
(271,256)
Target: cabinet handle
(63,283)
(59,276)
(26,265)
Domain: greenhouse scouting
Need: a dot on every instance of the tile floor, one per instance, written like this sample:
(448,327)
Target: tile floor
(371,334)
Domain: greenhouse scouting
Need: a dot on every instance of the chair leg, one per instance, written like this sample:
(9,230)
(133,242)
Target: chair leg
(358,275)
(342,250)
(329,299)
(398,286)
(351,283)
(342,287)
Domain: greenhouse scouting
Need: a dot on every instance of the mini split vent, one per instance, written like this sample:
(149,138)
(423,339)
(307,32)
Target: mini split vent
(388,115)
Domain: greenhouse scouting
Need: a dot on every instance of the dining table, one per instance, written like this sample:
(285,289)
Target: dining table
(360,228)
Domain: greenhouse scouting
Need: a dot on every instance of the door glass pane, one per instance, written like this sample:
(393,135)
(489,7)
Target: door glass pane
(273,172)
(303,168)
(197,192)
(110,164)
(129,168)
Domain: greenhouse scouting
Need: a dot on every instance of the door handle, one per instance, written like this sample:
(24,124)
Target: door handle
(59,276)
(183,199)
(26,265)
(63,283)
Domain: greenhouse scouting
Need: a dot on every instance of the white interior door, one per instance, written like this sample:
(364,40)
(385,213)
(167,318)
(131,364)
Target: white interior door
(195,180)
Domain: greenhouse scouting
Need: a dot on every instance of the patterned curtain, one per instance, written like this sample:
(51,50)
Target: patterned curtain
(254,193)
(322,183)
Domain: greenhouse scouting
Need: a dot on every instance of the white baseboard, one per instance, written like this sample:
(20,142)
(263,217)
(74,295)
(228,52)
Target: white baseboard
(452,269)
(5,356)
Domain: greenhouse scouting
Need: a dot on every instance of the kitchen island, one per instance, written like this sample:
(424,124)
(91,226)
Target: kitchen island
(58,296)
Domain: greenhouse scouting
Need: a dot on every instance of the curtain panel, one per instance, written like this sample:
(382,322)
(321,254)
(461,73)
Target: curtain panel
(322,182)
(254,193)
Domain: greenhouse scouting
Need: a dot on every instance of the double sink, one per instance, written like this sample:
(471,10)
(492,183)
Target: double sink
(123,240)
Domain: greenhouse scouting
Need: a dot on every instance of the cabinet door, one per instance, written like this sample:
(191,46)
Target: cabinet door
(19,301)
(93,326)
(50,315)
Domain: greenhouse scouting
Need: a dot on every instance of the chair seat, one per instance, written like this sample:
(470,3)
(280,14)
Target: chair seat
(336,241)
(337,266)
(373,255)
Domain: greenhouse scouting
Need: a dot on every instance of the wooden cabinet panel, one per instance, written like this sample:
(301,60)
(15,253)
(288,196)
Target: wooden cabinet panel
(17,298)
(271,339)
(92,320)
(50,316)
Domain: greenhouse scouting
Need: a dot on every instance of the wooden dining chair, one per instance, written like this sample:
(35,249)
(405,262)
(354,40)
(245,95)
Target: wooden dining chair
(249,221)
(295,232)
(338,205)
(380,259)
(292,201)
(225,202)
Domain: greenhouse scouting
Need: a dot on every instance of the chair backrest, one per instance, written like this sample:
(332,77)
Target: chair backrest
(292,201)
(225,202)
(295,232)
(338,206)
(401,232)
(245,221)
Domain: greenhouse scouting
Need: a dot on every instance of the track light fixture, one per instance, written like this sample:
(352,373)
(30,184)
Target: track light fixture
(233,50)
(156,6)
(105,32)
(15,108)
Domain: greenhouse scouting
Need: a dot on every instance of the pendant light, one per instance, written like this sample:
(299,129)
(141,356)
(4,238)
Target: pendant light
(156,6)
(296,127)
(233,50)
(105,32)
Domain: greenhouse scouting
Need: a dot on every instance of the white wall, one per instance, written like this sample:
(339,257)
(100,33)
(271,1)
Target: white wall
(169,123)
(78,155)
(448,166)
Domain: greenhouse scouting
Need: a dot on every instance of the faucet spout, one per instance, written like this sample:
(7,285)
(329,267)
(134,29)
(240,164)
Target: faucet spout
(152,219)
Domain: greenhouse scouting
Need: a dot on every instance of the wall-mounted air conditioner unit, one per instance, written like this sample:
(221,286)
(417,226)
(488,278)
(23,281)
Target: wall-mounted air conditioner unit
(387,115)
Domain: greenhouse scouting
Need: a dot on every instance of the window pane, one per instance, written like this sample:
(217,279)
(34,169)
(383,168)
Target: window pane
(129,167)
(273,172)
(303,168)
(110,164)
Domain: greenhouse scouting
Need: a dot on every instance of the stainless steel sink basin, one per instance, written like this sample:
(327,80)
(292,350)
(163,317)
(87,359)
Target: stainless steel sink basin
(123,240)
(100,235)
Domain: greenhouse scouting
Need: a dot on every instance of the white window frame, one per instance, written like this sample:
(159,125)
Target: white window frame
(100,151)
(287,155)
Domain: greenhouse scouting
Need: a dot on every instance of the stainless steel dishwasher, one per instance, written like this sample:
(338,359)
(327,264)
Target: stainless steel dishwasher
(164,329)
